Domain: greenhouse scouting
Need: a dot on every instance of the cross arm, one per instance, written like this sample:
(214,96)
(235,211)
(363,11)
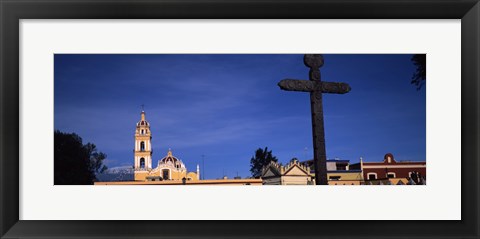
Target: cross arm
(310,86)
(297,85)
(335,87)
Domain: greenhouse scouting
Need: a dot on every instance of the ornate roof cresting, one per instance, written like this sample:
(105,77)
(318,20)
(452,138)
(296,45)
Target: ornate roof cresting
(280,169)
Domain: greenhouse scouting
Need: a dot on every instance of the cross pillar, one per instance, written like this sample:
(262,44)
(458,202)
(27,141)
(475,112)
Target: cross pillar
(316,87)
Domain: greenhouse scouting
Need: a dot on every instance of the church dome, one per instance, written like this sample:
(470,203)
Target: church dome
(171,161)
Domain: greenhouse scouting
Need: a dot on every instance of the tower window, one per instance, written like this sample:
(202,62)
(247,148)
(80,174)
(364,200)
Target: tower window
(142,146)
(142,163)
(143,132)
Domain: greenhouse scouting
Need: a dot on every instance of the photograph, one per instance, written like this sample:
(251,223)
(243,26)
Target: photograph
(125,119)
(240,119)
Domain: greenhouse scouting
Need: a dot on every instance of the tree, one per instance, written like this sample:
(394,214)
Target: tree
(74,162)
(419,77)
(96,158)
(261,159)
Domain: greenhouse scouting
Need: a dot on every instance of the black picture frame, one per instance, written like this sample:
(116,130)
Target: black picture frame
(12,11)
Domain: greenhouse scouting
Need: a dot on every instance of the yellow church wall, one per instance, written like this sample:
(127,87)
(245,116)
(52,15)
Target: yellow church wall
(219,182)
(177,175)
(141,175)
(193,176)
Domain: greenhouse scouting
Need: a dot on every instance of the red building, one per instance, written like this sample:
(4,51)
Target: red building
(390,168)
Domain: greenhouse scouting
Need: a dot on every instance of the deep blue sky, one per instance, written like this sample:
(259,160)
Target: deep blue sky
(227,106)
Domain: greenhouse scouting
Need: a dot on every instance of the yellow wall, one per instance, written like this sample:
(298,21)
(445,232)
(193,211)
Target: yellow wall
(346,176)
(142,175)
(219,182)
(193,176)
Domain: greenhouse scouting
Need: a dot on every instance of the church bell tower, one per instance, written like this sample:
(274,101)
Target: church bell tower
(143,146)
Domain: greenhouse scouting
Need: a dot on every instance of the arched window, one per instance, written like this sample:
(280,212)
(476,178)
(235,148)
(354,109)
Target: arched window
(143,131)
(142,146)
(142,163)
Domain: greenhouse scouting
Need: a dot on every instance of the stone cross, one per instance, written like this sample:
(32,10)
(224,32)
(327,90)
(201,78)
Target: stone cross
(316,87)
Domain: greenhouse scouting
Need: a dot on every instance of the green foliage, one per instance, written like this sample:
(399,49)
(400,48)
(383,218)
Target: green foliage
(74,162)
(96,158)
(262,158)
(419,77)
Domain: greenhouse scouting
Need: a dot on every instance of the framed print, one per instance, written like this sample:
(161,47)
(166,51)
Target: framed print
(75,62)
